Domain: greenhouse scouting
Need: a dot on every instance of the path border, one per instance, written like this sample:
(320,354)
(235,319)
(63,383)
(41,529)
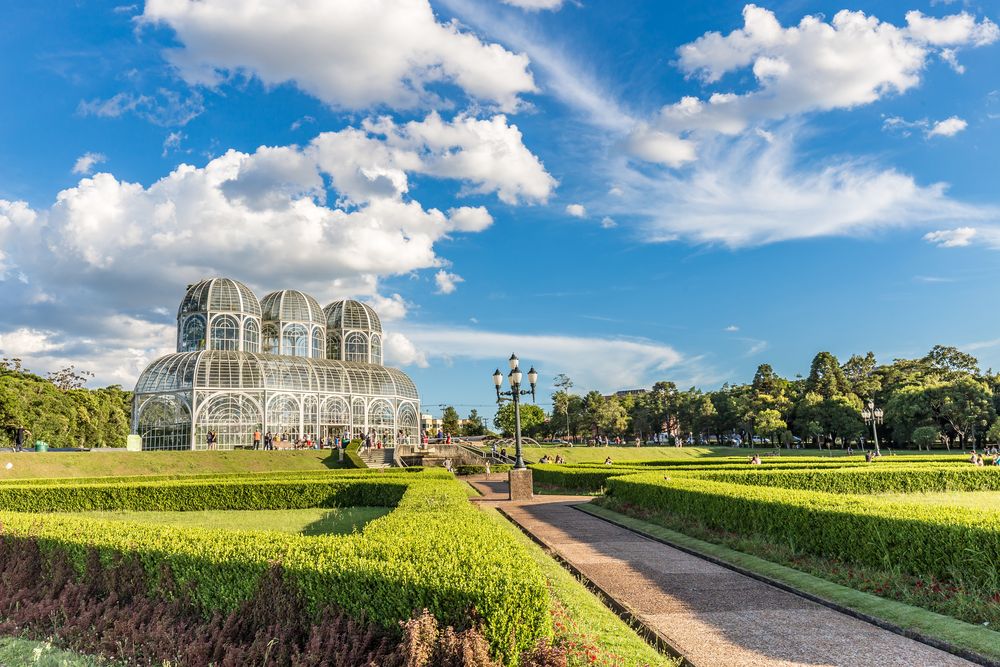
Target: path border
(652,637)
(939,644)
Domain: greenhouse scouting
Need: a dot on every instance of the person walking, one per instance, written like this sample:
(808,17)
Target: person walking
(20,433)
(268,440)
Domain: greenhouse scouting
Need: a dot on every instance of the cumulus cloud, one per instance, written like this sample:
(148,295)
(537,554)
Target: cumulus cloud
(332,217)
(447,282)
(853,60)
(350,54)
(605,363)
(660,147)
(951,238)
(25,342)
(389,308)
(85,164)
(576,210)
(948,127)
(751,191)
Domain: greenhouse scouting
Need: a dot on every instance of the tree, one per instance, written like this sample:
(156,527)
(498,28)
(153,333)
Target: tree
(593,409)
(861,375)
(532,417)
(925,436)
(770,422)
(473,424)
(449,421)
(826,378)
(950,361)
(613,417)
(560,399)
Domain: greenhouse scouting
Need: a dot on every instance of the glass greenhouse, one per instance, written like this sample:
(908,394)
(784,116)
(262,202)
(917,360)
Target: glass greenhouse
(282,365)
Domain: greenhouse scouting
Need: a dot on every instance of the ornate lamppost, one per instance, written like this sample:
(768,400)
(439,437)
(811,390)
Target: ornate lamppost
(514,395)
(873,416)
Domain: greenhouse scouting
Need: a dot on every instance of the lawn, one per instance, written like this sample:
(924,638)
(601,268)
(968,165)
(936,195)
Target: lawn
(626,454)
(117,463)
(314,521)
(979,500)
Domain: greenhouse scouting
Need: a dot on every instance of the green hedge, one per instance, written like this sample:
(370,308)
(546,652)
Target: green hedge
(339,473)
(434,551)
(589,479)
(870,479)
(351,451)
(939,541)
(481,469)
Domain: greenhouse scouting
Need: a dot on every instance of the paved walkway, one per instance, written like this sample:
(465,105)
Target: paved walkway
(714,616)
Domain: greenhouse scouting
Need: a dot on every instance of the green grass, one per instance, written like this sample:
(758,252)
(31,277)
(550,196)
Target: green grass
(979,500)
(18,651)
(315,521)
(959,633)
(119,463)
(583,454)
(585,618)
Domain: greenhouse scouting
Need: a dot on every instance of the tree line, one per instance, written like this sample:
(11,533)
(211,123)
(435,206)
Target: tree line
(941,399)
(59,410)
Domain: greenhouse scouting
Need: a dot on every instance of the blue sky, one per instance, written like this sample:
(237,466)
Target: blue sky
(623,192)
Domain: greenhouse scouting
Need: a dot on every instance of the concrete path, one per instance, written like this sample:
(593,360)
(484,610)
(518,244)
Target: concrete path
(714,616)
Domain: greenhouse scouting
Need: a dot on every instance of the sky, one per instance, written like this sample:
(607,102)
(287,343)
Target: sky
(624,192)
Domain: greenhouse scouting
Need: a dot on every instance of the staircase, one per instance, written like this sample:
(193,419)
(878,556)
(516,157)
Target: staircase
(377,458)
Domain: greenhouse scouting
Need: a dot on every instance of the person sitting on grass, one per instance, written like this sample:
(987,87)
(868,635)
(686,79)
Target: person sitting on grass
(755,460)
(607,461)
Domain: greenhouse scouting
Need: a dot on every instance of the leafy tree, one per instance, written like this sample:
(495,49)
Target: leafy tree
(993,434)
(449,421)
(770,422)
(861,376)
(950,362)
(613,418)
(532,417)
(826,378)
(925,436)
(473,424)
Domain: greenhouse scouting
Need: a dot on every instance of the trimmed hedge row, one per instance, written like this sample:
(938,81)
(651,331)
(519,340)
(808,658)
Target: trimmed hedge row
(936,541)
(481,469)
(433,551)
(866,480)
(580,479)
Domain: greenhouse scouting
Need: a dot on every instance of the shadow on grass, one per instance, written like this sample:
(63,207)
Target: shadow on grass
(344,520)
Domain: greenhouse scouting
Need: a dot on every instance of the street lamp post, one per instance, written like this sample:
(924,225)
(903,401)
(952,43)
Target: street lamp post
(873,416)
(514,395)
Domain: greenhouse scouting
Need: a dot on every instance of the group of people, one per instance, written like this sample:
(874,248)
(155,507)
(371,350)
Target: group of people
(548,459)
(977,459)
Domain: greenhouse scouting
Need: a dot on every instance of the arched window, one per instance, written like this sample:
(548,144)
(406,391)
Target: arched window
(193,337)
(380,420)
(357,347)
(358,417)
(295,341)
(251,336)
(319,344)
(232,417)
(376,350)
(284,417)
(406,424)
(335,412)
(333,347)
(225,333)
(165,423)
(270,339)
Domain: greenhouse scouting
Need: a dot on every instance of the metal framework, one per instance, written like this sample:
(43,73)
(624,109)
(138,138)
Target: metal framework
(282,365)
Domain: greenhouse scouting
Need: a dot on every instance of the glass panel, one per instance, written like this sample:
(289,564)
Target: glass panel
(318,343)
(284,417)
(271,339)
(357,347)
(376,350)
(165,423)
(232,418)
(251,336)
(225,333)
(193,338)
(333,347)
(295,341)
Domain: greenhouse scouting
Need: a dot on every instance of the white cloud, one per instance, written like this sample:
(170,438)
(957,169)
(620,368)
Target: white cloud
(332,217)
(534,5)
(389,308)
(952,238)
(172,142)
(166,107)
(608,223)
(447,282)
(352,53)
(25,342)
(660,147)
(487,153)
(576,210)
(853,60)
(751,191)
(732,328)
(85,164)
(603,363)
(948,127)
(401,351)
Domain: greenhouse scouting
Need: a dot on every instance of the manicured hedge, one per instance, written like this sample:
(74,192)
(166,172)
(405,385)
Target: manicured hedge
(433,551)
(874,478)
(339,473)
(936,541)
(351,451)
(481,469)
(581,479)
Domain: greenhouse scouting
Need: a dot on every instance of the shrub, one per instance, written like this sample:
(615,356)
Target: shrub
(481,469)
(871,479)
(351,451)
(936,541)
(434,551)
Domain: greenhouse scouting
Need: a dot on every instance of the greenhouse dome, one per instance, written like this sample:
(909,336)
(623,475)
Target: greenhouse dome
(354,332)
(218,314)
(297,393)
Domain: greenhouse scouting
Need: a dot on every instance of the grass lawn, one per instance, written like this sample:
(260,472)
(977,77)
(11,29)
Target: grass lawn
(26,465)
(978,500)
(583,454)
(316,521)
(585,622)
